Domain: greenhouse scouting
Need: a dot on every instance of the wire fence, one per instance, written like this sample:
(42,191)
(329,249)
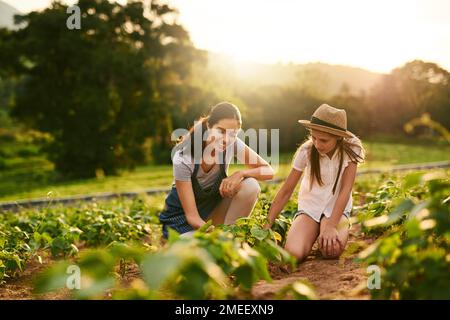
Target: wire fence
(44,202)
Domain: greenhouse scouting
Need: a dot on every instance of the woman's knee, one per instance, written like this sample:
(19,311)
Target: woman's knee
(249,188)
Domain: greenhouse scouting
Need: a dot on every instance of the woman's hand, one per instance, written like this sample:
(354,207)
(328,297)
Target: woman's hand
(195,222)
(230,186)
(329,240)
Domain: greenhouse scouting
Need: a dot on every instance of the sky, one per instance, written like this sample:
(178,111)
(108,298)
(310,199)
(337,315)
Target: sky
(375,35)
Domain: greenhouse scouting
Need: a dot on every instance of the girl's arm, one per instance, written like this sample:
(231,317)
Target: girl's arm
(283,195)
(187,198)
(348,179)
(328,238)
(257,168)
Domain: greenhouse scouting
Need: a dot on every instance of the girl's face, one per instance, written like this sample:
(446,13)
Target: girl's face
(323,141)
(223,133)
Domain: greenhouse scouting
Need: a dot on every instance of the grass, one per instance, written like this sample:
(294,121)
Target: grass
(34,177)
(142,178)
(397,153)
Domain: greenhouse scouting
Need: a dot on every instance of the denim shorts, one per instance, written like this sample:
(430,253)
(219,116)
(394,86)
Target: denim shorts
(299,212)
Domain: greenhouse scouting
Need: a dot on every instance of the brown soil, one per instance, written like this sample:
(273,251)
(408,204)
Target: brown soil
(332,279)
(21,286)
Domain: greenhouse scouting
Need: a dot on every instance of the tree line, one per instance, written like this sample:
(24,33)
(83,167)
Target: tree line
(111,93)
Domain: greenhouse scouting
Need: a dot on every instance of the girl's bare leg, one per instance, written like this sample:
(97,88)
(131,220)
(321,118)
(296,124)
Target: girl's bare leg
(301,236)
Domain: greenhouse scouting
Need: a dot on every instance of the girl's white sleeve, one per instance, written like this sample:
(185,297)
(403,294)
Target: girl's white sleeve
(300,159)
(359,150)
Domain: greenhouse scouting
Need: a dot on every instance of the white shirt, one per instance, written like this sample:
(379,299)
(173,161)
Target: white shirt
(320,199)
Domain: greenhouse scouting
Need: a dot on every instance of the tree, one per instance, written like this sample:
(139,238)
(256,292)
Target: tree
(358,120)
(99,91)
(409,91)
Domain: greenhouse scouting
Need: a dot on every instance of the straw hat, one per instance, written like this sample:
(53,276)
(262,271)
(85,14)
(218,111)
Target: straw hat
(329,119)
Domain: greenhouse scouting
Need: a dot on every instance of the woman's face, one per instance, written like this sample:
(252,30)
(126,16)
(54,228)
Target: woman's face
(223,133)
(323,141)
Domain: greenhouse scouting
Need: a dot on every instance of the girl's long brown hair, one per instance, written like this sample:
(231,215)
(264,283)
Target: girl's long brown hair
(342,146)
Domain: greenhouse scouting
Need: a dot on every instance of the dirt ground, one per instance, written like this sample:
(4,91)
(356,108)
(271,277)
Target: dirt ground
(331,279)
(21,287)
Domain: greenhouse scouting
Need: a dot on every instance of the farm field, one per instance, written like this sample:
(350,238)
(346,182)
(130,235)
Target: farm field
(400,224)
(100,99)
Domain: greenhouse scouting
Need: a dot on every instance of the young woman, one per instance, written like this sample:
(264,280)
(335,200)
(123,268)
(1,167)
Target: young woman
(202,190)
(329,161)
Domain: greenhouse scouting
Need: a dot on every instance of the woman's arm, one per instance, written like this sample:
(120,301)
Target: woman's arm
(256,167)
(187,198)
(283,195)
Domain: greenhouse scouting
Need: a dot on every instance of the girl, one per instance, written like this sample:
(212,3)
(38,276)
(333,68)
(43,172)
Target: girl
(329,161)
(201,189)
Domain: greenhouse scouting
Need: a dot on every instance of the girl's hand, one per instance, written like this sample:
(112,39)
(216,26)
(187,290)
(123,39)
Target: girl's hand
(329,240)
(230,186)
(267,226)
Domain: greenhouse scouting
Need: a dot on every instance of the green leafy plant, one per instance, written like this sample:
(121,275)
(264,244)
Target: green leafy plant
(207,265)
(414,256)
(299,290)
(387,207)
(61,230)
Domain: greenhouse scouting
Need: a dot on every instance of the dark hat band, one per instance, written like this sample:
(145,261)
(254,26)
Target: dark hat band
(315,120)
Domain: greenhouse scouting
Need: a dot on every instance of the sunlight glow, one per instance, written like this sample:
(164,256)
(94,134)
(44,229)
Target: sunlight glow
(376,35)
